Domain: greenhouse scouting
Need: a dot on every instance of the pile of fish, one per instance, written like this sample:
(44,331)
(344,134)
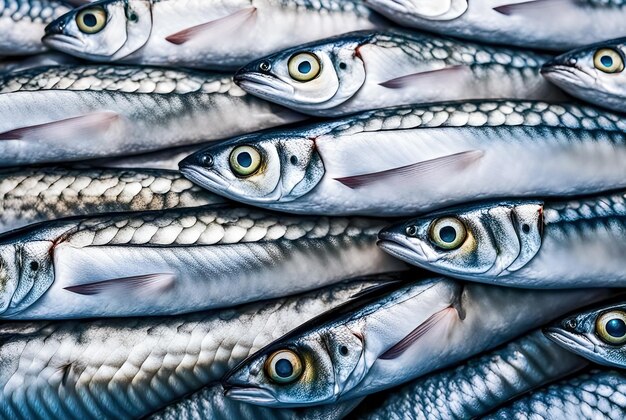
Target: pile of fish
(281,209)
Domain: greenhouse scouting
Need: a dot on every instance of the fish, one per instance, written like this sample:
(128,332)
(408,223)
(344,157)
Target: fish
(210,403)
(209,34)
(69,113)
(410,160)
(167,159)
(50,58)
(376,69)
(597,334)
(128,368)
(593,73)
(526,243)
(481,384)
(597,394)
(22,24)
(30,195)
(174,261)
(393,335)
(556,25)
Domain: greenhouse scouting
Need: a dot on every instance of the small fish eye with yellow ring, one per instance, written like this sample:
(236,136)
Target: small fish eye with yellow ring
(447,233)
(283,366)
(608,60)
(91,20)
(304,67)
(245,160)
(611,327)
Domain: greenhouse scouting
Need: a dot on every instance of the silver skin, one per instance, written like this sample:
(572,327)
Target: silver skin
(128,368)
(558,25)
(22,24)
(210,403)
(369,70)
(577,73)
(161,159)
(407,160)
(594,395)
(29,195)
(532,244)
(364,347)
(68,113)
(225,34)
(50,58)
(582,334)
(178,260)
(481,384)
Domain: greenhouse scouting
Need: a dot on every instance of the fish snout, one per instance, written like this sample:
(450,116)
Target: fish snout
(56,27)
(202,159)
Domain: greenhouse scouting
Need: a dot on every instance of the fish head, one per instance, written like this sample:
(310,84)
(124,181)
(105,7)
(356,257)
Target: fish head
(598,334)
(309,78)
(475,242)
(595,73)
(257,169)
(423,9)
(306,369)
(104,30)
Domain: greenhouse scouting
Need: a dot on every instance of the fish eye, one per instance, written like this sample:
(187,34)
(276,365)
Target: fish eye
(411,230)
(608,60)
(245,160)
(284,366)
(448,233)
(611,327)
(304,67)
(91,20)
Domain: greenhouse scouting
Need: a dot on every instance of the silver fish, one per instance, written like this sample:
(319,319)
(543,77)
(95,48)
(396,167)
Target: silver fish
(369,70)
(543,24)
(22,24)
(51,58)
(599,334)
(222,34)
(406,160)
(389,338)
(563,244)
(594,73)
(30,195)
(178,260)
(161,159)
(481,384)
(210,403)
(593,395)
(57,114)
(128,368)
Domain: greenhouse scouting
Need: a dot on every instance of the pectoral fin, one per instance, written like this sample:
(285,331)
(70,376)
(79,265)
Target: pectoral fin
(219,27)
(142,283)
(434,77)
(533,8)
(452,163)
(85,125)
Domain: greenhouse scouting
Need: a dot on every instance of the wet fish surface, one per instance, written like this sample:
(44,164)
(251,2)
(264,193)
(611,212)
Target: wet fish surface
(598,334)
(537,244)
(128,368)
(69,113)
(178,260)
(481,384)
(50,58)
(161,159)
(22,24)
(30,195)
(217,34)
(594,395)
(593,73)
(408,160)
(542,24)
(389,338)
(368,70)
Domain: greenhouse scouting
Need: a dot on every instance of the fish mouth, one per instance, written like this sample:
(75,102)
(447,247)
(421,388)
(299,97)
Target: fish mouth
(263,85)
(206,179)
(249,394)
(566,75)
(64,43)
(396,248)
(574,342)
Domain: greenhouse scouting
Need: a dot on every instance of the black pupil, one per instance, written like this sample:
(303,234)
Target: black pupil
(304,67)
(343,350)
(343,66)
(34,265)
(447,234)
(284,368)
(90,20)
(244,159)
(525,228)
(616,327)
(294,160)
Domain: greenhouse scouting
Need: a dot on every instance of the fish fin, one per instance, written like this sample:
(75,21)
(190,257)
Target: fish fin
(456,161)
(402,345)
(88,123)
(158,281)
(222,25)
(532,7)
(376,289)
(432,76)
